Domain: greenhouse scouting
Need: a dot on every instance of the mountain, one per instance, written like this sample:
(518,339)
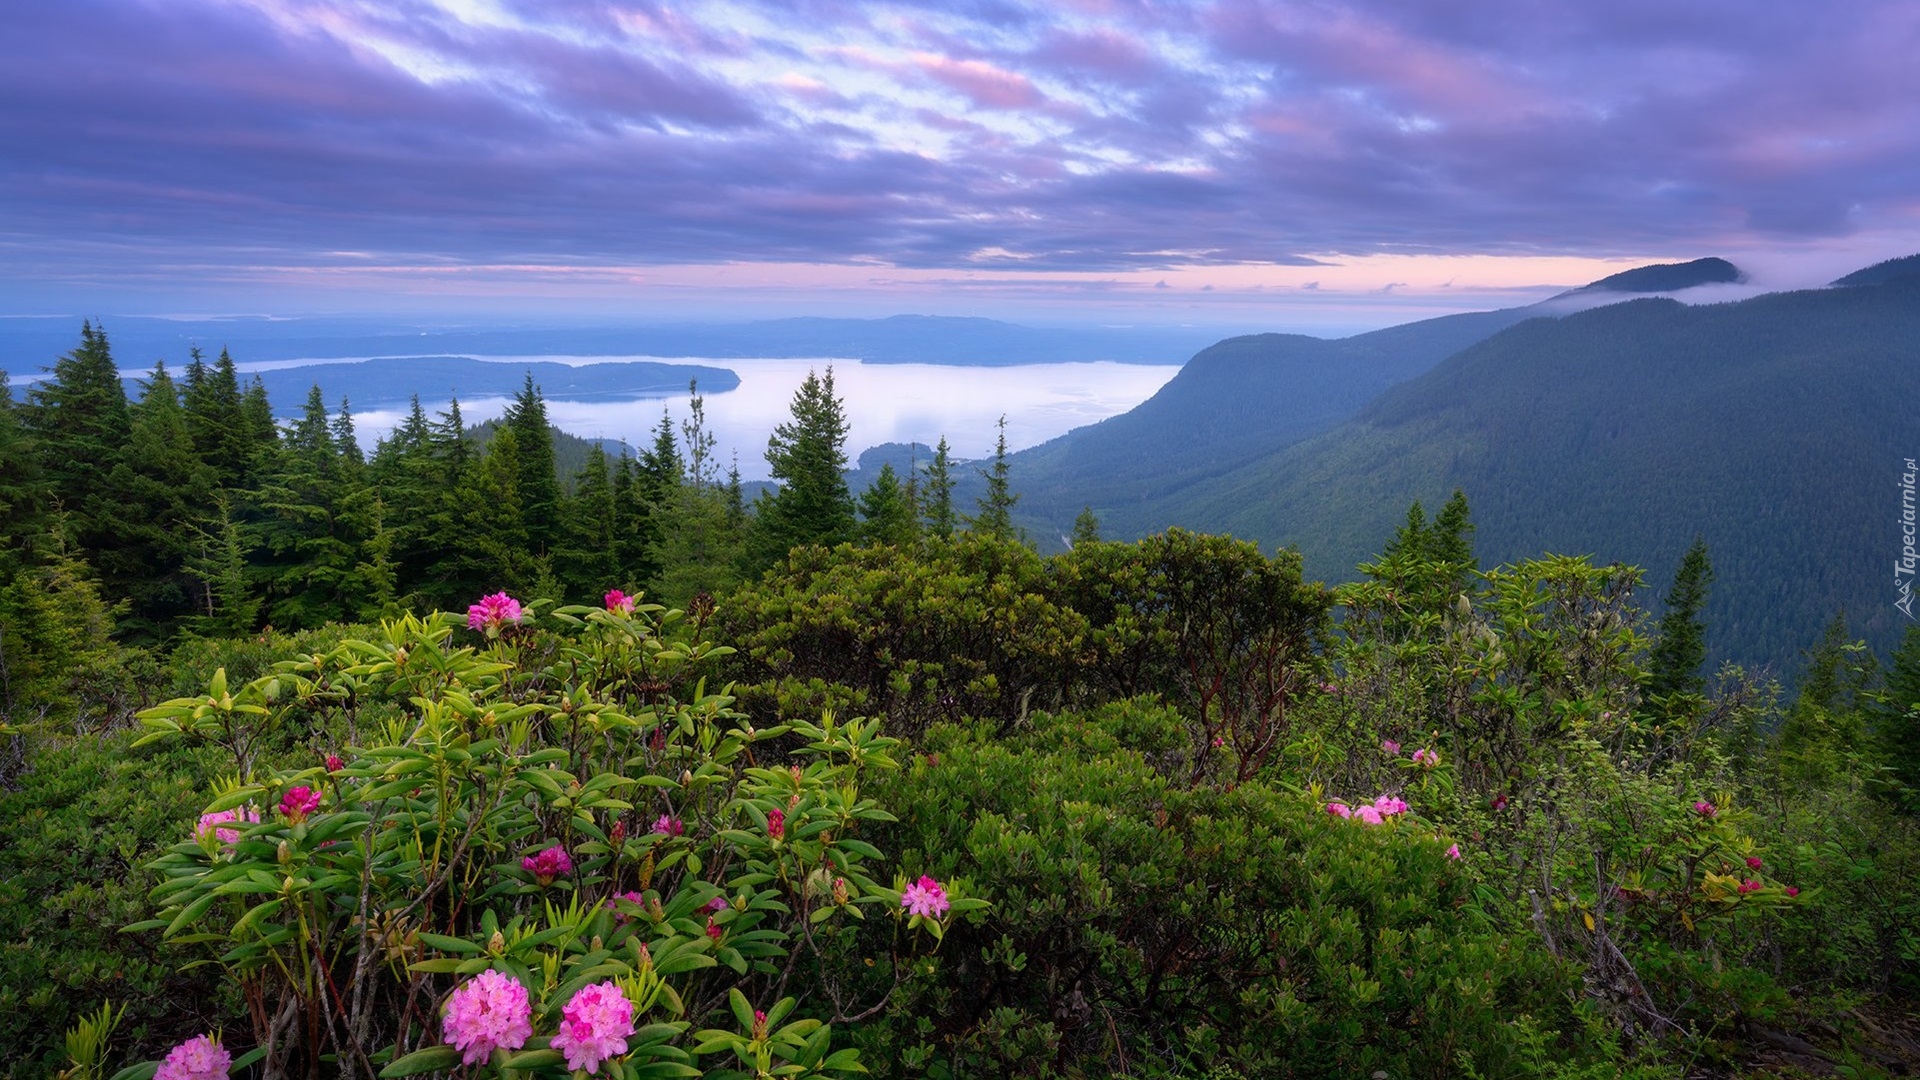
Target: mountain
(1243,399)
(1777,428)
(392,381)
(1882,272)
(29,344)
(1668,277)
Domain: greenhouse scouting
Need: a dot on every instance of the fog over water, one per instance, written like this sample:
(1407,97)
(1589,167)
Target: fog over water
(884,403)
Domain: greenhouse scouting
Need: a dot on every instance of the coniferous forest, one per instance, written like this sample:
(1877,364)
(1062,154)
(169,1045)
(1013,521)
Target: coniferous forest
(449,759)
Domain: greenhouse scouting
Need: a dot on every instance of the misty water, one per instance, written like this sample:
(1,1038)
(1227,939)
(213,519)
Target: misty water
(884,403)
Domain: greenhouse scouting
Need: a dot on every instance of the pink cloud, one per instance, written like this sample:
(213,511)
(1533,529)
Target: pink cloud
(984,84)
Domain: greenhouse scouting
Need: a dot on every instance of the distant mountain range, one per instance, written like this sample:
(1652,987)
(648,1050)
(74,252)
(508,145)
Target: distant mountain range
(1775,427)
(392,382)
(29,344)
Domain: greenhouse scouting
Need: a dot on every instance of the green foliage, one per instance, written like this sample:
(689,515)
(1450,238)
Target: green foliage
(995,516)
(807,457)
(1123,898)
(1681,647)
(386,879)
(888,514)
(959,628)
(938,503)
(82,815)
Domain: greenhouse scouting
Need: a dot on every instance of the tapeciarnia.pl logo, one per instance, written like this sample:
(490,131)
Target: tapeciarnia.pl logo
(1903,567)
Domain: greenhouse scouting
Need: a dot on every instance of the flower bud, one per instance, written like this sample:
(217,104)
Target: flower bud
(285,854)
(497,944)
(840,891)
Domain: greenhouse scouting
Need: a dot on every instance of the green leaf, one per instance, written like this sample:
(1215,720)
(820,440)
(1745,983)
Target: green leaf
(439,1058)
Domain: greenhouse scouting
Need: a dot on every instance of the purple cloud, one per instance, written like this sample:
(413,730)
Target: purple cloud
(1100,137)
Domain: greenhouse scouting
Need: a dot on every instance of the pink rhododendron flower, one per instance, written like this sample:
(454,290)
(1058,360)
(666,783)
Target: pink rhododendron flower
(298,802)
(490,1012)
(210,824)
(1793,891)
(1753,862)
(1705,808)
(1391,747)
(668,825)
(776,823)
(1388,805)
(1369,814)
(493,612)
(1426,757)
(1500,802)
(594,1026)
(613,905)
(759,1023)
(925,898)
(1453,851)
(619,601)
(716,905)
(713,929)
(199,1058)
(1748,886)
(547,865)
(335,763)
(1339,809)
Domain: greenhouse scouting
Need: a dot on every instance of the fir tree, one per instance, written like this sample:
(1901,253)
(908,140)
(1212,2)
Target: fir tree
(1086,528)
(81,425)
(807,456)
(887,513)
(539,483)
(21,494)
(1680,650)
(995,516)
(941,520)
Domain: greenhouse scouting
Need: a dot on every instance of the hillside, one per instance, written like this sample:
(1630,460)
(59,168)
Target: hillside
(1244,399)
(1235,402)
(1774,427)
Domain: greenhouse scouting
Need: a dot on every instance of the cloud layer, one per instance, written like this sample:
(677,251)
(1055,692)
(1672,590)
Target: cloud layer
(229,138)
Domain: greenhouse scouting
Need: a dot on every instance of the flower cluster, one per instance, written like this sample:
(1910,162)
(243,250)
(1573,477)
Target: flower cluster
(1705,809)
(1426,757)
(594,1026)
(494,612)
(613,905)
(547,865)
(926,898)
(210,824)
(776,823)
(488,1013)
(199,1058)
(1391,748)
(668,825)
(619,601)
(298,802)
(1373,813)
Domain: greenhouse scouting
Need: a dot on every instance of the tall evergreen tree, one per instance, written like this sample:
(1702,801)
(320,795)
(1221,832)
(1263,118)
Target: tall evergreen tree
(588,561)
(345,440)
(807,455)
(539,482)
(887,513)
(81,427)
(1896,722)
(158,492)
(1086,527)
(21,496)
(995,516)
(941,519)
(223,435)
(1681,648)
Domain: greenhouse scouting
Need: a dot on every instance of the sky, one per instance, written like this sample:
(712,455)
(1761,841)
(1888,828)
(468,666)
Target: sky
(1093,161)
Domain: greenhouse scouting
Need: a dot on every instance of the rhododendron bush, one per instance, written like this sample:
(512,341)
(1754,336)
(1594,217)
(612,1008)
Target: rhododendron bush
(561,851)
